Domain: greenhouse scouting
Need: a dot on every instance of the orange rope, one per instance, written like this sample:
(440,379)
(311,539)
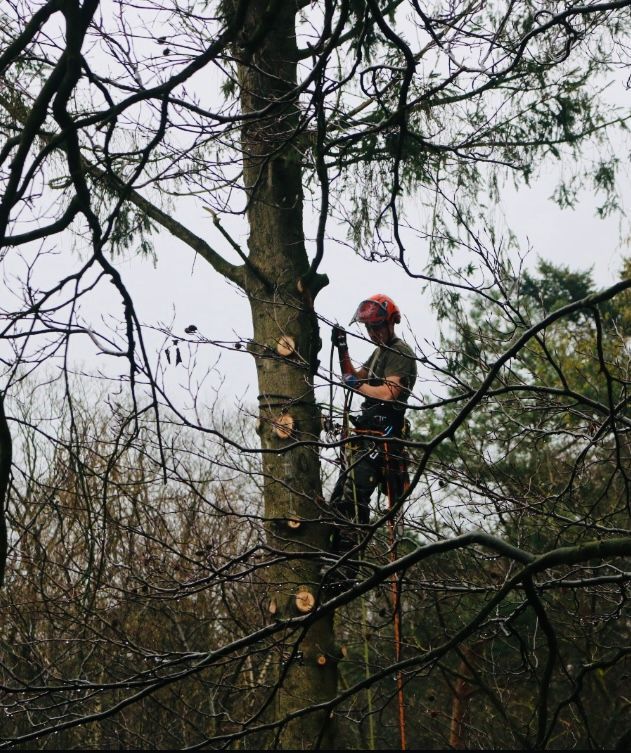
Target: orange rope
(395,584)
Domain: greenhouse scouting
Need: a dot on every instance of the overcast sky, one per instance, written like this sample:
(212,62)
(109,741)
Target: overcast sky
(181,290)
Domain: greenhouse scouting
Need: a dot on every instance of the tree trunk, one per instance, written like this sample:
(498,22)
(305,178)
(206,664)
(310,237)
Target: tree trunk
(460,705)
(285,346)
(5,477)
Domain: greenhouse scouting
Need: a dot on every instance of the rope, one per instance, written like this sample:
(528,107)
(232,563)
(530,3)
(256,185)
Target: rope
(395,583)
(395,591)
(272,400)
(331,387)
(371,719)
(347,462)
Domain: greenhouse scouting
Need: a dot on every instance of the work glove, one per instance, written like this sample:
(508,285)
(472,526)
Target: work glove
(350,380)
(338,337)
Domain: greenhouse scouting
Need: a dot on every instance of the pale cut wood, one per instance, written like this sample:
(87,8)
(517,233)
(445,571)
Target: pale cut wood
(283,426)
(305,600)
(286,346)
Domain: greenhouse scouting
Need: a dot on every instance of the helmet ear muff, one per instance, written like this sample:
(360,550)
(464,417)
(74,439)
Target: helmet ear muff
(396,317)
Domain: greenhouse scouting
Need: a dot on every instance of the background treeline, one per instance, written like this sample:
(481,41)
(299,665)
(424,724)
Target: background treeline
(169,578)
(135,611)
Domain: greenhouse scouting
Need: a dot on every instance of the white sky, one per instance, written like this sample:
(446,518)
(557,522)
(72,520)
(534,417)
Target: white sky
(181,290)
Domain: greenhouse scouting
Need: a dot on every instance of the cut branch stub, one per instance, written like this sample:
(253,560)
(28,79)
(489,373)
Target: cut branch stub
(283,426)
(294,523)
(286,346)
(273,607)
(305,600)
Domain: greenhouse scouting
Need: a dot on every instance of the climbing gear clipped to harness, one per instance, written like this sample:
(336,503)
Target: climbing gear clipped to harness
(377,310)
(380,416)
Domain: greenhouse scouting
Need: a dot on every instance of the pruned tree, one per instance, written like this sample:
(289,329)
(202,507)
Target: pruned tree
(110,123)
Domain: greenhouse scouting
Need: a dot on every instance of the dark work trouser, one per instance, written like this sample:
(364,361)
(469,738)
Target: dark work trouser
(369,464)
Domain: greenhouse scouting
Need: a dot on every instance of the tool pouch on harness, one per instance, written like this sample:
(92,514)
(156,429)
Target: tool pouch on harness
(380,417)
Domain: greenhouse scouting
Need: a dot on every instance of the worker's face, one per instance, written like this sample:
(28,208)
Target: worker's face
(382,334)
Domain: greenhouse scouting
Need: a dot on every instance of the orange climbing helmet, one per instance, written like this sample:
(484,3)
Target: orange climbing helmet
(377,310)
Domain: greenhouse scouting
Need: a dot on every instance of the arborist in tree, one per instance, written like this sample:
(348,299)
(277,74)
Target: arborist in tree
(385,382)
